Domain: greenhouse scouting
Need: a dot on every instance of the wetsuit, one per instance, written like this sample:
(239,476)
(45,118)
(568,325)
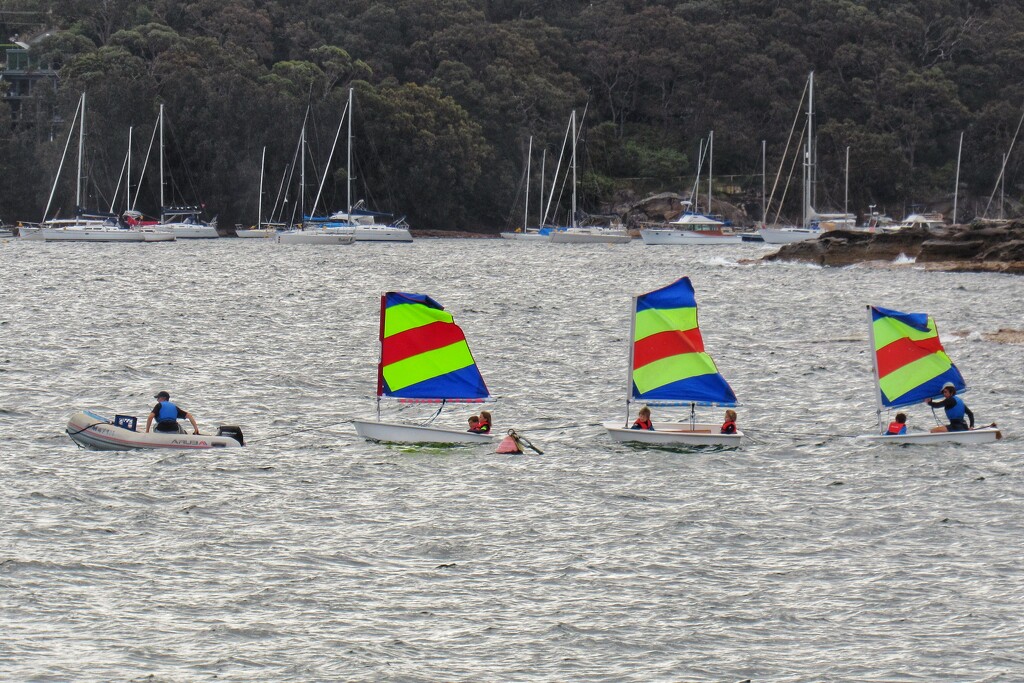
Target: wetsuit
(955,409)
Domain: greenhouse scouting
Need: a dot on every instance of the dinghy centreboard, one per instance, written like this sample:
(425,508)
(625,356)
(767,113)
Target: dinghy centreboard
(910,365)
(91,430)
(668,366)
(424,358)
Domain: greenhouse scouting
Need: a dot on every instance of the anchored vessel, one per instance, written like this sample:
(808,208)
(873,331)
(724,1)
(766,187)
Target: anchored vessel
(668,366)
(910,365)
(424,358)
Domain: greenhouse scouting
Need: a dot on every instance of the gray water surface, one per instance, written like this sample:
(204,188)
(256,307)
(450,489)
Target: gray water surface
(807,555)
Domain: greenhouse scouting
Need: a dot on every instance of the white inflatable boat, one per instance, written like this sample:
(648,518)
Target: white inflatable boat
(91,430)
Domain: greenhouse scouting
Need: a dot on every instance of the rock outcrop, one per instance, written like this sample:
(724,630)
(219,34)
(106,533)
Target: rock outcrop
(978,247)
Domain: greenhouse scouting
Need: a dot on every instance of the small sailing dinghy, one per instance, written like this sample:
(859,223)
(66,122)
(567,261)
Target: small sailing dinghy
(91,430)
(424,358)
(910,365)
(669,367)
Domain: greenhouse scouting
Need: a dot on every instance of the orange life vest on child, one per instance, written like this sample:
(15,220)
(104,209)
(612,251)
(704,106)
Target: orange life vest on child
(729,427)
(642,424)
(896,428)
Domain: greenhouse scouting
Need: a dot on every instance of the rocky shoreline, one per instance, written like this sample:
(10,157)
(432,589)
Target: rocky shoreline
(981,247)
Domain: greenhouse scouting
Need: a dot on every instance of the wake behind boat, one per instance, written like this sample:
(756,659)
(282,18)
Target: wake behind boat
(910,365)
(669,367)
(92,430)
(424,358)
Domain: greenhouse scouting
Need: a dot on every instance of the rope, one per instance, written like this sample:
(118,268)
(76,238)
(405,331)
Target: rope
(299,431)
(94,424)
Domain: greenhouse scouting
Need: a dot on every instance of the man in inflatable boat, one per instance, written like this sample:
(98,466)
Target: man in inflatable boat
(167,415)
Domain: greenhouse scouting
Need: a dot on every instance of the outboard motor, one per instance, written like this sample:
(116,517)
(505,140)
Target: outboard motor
(232,432)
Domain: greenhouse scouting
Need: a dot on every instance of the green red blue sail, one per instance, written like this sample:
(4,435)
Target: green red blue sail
(424,354)
(668,363)
(910,363)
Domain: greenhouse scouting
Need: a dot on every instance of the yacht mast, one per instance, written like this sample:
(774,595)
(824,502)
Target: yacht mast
(526,209)
(572,221)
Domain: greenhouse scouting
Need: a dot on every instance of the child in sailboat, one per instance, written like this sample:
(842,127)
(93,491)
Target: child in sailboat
(484,426)
(898,426)
(955,409)
(643,420)
(474,424)
(729,426)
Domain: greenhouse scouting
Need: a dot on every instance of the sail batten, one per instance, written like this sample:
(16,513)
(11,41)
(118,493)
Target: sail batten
(911,364)
(668,362)
(424,354)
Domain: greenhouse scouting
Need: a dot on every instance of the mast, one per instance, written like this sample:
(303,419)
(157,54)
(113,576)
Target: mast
(809,151)
(629,361)
(330,157)
(128,176)
(696,183)
(56,178)
(302,176)
(380,346)
(540,209)
(846,189)
(145,163)
(259,204)
(874,367)
(526,209)
(348,164)
(81,147)
(572,221)
(956,186)
(764,188)
(711,160)
(161,163)
(121,175)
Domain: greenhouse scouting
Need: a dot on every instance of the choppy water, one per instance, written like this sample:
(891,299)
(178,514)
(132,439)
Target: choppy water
(312,555)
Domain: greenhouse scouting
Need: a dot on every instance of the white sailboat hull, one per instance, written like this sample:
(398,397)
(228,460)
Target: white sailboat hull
(585,236)
(980,435)
(403,433)
(94,431)
(787,235)
(382,233)
(72,234)
(255,232)
(188,231)
(313,237)
(526,236)
(670,236)
(674,434)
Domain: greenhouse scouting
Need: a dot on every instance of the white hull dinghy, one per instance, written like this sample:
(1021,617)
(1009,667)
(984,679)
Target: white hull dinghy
(910,366)
(669,367)
(390,432)
(674,434)
(91,430)
(424,358)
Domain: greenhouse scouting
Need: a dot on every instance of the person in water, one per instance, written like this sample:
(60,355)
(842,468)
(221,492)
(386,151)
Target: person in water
(643,420)
(729,426)
(955,409)
(898,426)
(167,415)
(485,422)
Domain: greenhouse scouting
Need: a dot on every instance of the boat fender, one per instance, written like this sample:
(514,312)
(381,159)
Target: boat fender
(233,432)
(510,444)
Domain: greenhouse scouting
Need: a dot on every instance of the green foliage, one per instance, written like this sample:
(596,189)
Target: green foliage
(448,91)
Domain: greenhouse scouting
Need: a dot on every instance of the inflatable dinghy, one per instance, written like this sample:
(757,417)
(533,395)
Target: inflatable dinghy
(90,430)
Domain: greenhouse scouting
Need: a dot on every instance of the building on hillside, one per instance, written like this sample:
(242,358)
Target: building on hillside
(24,74)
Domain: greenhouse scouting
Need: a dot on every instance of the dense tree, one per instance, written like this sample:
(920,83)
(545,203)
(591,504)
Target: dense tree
(448,91)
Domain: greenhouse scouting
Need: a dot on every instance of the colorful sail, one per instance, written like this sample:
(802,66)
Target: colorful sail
(424,354)
(668,361)
(910,363)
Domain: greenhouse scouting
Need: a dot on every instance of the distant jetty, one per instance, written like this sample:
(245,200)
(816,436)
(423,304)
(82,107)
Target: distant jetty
(980,247)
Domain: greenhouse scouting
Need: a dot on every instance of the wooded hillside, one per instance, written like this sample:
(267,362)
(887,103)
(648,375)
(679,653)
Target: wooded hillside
(447,93)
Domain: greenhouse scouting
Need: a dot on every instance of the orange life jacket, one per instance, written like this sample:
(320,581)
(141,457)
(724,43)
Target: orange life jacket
(643,424)
(896,427)
(729,427)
